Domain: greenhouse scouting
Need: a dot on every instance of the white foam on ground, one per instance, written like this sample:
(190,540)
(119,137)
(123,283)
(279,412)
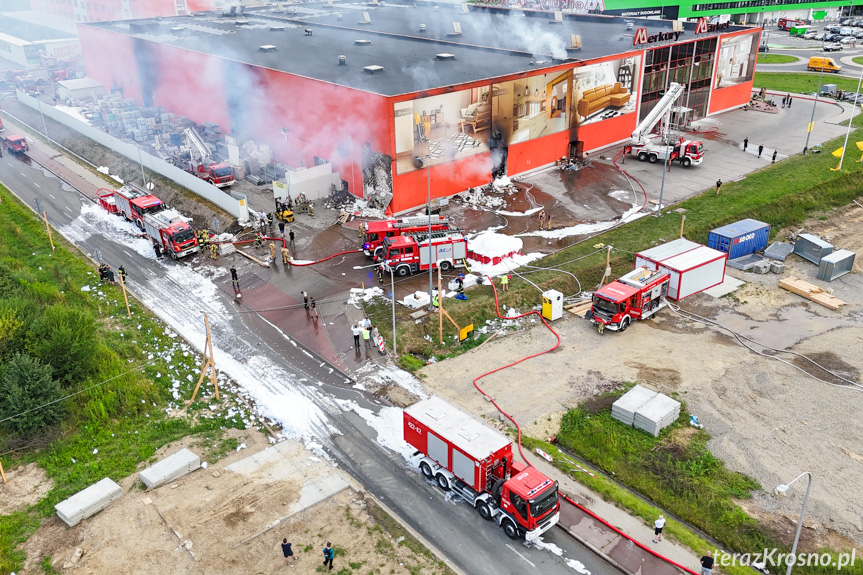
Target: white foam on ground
(578,566)
(392,375)
(529,212)
(494,245)
(631,214)
(389,425)
(505,266)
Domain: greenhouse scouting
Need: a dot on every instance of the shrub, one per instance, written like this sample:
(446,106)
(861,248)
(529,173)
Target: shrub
(27,384)
(66,340)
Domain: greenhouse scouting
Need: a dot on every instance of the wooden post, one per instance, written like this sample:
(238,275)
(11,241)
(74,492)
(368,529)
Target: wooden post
(208,364)
(2,473)
(48,229)
(682,221)
(440,308)
(125,297)
(607,273)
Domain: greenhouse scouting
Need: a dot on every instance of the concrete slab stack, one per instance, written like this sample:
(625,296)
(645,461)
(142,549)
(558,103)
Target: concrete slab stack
(624,409)
(88,502)
(656,414)
(170,468)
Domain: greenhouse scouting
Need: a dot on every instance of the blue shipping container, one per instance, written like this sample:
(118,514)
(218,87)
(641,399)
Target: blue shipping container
(740,238)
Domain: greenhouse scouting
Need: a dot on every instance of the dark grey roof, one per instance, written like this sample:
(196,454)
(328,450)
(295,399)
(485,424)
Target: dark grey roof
(493,42)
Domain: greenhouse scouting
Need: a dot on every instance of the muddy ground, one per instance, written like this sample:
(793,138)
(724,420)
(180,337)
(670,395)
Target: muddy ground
(217,521)
(767,419)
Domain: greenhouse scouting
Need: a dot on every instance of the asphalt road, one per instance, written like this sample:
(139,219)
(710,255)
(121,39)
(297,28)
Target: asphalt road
(472,545)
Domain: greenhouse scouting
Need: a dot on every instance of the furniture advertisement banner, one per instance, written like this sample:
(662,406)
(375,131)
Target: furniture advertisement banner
(532,107)
(736,62)
(605,90)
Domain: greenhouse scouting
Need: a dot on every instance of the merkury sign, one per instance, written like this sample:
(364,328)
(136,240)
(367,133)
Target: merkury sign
(702,27)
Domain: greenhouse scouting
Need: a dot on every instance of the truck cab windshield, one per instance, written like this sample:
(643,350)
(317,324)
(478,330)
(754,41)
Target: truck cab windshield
(606,306)
(543,503)
(222,172)
(183,236)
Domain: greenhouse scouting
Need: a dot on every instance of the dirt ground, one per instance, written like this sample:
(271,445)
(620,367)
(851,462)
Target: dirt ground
(766,418)
(218,521)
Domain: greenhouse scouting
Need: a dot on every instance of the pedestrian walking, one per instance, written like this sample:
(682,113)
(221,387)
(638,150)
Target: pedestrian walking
(657,528)
(367,336)
(541,219)
(291,236)
(235,280)
(305,300)
(548,220)
(380,270)
(788,102)
(718,186)
(774,157)
(760,149)
(356,331)
(286,550)
(329,553)
(783,101)
(312,306)
(504,282)
(286,256)
(707,564)
(121,271)
(745,143)
(282,229)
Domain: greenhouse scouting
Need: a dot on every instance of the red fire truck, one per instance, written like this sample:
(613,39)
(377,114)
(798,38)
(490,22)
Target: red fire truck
(374,233)
(637,295)
(172,232)
(789,23)
(133,202)
(16,144)
(475,462)
(408,254)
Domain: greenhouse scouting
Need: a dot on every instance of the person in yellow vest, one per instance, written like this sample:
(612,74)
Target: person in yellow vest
(214,251)
(286,255)
(272,251)
(436,302)
(504,282)
(367,336)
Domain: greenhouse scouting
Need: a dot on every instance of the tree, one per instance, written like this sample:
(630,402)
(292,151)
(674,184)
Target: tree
(66,340)
(27,384)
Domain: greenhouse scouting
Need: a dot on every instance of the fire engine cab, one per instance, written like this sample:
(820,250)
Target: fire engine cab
(637,295)
(374,233)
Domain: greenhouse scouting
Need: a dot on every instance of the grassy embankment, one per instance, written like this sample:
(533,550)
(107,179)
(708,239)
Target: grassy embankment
(776,59)
(121,393)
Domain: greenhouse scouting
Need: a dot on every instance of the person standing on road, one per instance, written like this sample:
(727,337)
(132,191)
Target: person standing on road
(313,306)
(291,236)
(329,553)
(158,249)
(760,149)
(789,100)
(367,336)
(286,256)
(282,229)
(783,101)
(504,282)
(706,564)
(305,300)
(541,219)
(286,550)
(657,528)
(235,280)
(745,143)
(121,271)
(718,186)
(356,331)
(774,157)
(380,270)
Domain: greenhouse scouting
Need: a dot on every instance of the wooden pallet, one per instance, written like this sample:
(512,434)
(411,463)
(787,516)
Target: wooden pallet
(811,292)
(579,309)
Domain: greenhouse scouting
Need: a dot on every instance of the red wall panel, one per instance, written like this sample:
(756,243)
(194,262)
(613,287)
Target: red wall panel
(732,96)
(602,133)
(446,180)
(535,153)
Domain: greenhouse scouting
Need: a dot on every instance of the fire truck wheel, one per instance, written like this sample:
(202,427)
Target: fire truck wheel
(652,158)
(402,271)
(642,157)
(379,252)
(140,225)
(624,324)
(686,162)
(174,255)
(510,529)
(426,469)
(445,266)
(484,511)
(443,482)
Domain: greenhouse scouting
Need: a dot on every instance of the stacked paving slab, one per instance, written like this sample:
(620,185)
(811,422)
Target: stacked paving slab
(645,409)
(170,468)
(88,502)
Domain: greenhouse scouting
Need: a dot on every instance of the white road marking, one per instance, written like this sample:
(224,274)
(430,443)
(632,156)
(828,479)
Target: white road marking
(68,208)
(127,253)
(23,174)
(511,548)
(38,186)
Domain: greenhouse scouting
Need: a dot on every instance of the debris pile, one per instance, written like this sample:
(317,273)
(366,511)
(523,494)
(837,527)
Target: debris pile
(481,198)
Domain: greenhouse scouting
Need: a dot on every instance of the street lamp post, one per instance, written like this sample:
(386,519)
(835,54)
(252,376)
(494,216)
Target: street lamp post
(428,211)
(780,490)
(811,125)
(44,125)
(141,161)
(666,167)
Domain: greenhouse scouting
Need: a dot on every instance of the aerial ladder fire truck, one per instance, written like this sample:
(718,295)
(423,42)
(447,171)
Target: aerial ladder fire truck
(637,295)
(650,147)
(374,233)
(201,163)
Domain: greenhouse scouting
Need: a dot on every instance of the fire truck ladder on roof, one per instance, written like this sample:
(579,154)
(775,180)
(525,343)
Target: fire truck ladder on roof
(422,235)
(417,221)
(197,146)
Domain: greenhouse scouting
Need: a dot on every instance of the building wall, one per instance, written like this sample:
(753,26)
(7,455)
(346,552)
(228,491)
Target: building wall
(105,10)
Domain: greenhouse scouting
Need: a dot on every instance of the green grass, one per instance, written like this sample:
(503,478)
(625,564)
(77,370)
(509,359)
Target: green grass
(776,59)
(109,430)
(800,83)
(857,60)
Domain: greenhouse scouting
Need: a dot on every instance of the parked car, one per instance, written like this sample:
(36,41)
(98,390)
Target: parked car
(848,40)
(818,36)
(832,37)
(851,96)
(810,35)
(763,48)
(832,47)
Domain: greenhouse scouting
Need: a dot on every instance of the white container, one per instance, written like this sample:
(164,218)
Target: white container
(694,271)
(552,305)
